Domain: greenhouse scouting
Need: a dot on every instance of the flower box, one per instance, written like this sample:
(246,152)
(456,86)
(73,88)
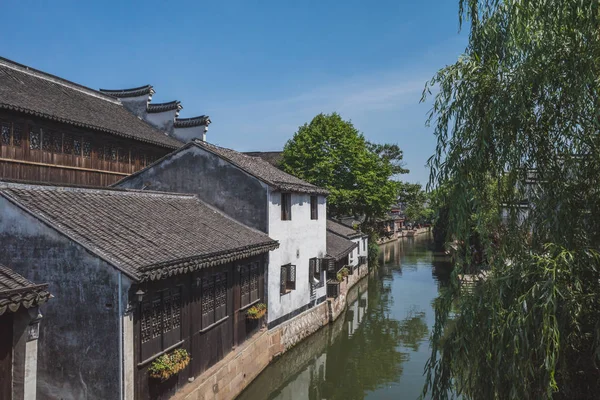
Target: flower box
(169,364)
(257,311)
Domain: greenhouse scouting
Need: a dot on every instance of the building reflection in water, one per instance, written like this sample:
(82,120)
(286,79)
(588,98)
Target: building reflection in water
(365,351)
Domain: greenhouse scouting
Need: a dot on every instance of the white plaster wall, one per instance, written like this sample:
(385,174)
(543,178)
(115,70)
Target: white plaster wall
(188,134)
(163,121)
(300,239)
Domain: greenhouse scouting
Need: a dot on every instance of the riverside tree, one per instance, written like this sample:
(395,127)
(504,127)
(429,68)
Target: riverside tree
(332,153)
(521,109)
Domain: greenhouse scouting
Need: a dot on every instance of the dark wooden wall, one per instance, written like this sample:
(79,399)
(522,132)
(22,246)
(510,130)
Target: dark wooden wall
(6,342)
(206,344)
(41,150)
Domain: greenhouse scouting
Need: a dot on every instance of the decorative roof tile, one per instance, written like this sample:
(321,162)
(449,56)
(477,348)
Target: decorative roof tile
(338,247)
(27,90)
(147,235)
(191,122)
(16,291)
(262,170)
(162,107)
(133,92)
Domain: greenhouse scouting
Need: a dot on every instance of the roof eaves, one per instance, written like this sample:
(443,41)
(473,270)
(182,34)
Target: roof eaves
(167,269)
(84,125)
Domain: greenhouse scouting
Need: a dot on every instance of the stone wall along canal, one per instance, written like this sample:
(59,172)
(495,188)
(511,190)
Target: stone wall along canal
(378,348)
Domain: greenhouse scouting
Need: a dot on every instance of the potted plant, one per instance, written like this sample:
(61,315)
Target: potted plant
(339,276)
(169,364)
(257,311)
(344,271)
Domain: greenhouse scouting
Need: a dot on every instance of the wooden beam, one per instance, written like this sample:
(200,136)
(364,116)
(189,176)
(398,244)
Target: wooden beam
(62,167)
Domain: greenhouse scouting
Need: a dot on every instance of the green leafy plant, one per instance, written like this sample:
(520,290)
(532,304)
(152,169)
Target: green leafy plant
(344,271)
(257,311)
(169,364)
(339,276)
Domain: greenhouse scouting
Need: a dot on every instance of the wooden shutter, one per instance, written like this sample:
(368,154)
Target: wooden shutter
(220,296)
(244,285)
(283,280)
(291,282)
(254,282)
(208,301)
(171,317)
(151,326)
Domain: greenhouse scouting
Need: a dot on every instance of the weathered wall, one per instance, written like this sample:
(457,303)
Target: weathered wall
(190,133)
(163,121)
(78,343)
(217,182)
(136,105)
(338,305)
(300,239)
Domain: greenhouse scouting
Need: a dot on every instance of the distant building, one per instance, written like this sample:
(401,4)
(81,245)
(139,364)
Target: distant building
(259,195)
(19,331)
(54,130)
(135,275)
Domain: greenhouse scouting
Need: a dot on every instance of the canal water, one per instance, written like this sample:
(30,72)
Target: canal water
(378,348)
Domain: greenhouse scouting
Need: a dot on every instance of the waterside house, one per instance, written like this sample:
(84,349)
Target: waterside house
(259,195)
(20,300)
(135,275)
(54,130)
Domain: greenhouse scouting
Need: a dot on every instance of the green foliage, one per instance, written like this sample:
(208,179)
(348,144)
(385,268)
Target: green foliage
(169,364)
(516,120)
(332,153)
(257,311)
(417,203)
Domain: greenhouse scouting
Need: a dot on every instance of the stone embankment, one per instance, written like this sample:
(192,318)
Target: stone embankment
(403,233)
(230,376)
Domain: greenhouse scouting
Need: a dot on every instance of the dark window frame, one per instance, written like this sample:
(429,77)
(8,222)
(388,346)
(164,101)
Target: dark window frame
(314,207)
(212,311)
(287,279)
(286,206)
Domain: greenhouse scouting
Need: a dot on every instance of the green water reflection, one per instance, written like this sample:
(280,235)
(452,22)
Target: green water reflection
(378,348)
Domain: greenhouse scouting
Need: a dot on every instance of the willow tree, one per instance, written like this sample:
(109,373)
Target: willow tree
(520,108)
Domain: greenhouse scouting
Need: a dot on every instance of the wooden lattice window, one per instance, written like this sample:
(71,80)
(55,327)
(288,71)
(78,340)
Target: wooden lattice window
(286,206)
(254,275)
(77,146)
(68,144)
(87,148)
(113,154)
(100,153)
(288,278)
(244,285)
(220,296)
(34,139)
(160,321)
(314,207)
(47,140)
(208,301)
(17,135)
(123,156)
(5,133)
(57,142)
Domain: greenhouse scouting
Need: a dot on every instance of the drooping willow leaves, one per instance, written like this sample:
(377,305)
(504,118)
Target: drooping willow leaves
(517,126)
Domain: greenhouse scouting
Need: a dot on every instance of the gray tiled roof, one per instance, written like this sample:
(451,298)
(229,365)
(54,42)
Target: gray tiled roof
(16,291)
(34,92)
(342,230)
(338,247)
(147,235)
(264,171)
(272,157)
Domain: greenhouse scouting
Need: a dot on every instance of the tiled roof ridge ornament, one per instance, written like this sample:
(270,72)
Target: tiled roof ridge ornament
(193,121)
(162,107)
(131,92)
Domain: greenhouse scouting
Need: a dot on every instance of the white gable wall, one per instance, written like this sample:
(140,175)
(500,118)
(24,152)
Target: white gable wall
(300,239)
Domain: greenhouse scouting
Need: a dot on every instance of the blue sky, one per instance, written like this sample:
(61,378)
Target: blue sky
(260,69)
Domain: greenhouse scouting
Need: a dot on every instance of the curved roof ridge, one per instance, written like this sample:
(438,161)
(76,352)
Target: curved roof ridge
(130,92)
(162,107)
(193,121)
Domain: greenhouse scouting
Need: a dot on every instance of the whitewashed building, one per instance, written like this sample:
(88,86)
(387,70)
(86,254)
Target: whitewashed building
(259,195)
(358,256)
